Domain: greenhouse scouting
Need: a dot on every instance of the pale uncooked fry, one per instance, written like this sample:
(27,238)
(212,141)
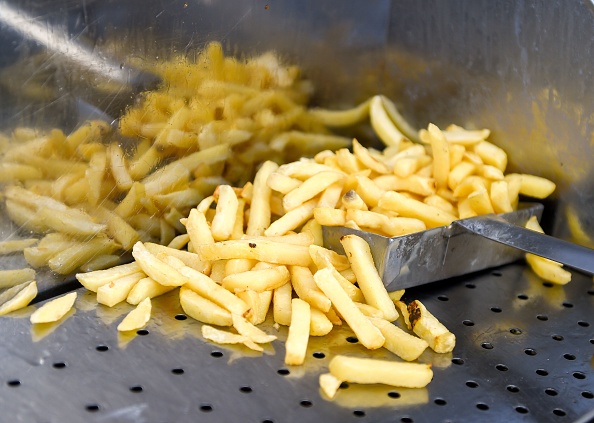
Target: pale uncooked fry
(10,278)
(401,343)
(118,167)
(427,327)
(16,245)
(368,334)
(310,188)
(257,280)
(117,227)
(93,280)
(281,304)
(368,370)
(223,337)
(116,291)
(292,219)
(329,384)
(202,309)
(402,124)
(54,310)
(260,214)
(155,268)
(17,297)
(269,251)
(137,318)
(179,242)
(408,207)
(146,288)
(297,339)
(101,262)
(70,222)
(73,257)
(359,255)
(382,124)
(491,154)
(247,329)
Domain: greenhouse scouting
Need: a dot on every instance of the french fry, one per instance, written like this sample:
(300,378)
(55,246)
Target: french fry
(329,384)
(310,188)
(223,337)
(368,334)
(54,310)
(198,228)
(17,297)
(491,154)
(189,259)
(292,219)
(427,327)
(269,251)
(257,280)
(305,286)
(260,206)
(93,280)
(401,343)
(73,257)
(281,304)
(536,186)
(250,331)
(202,309)
(297,340)
(117,290)
(137,318)
(146,288)
(10,278)
(327,216)
(370,283)
(156,268)
(101,262)
(382,124)
(408,207)
(368,370)
(226,212)
(16,245)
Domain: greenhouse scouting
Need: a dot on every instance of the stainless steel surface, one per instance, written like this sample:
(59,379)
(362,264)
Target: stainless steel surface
(499,230)
(435,254)
(524,353)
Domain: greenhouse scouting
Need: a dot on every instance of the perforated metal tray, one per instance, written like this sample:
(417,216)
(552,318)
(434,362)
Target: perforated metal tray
(524,353)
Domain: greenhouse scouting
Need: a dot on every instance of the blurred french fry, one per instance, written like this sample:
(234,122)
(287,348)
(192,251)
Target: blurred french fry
(10,278)
(54,310)
(101,262)
(16,245)
(93,280)
(260,204)
(339,118)
(17,297)
(382,124)
(73,257)
(189,259)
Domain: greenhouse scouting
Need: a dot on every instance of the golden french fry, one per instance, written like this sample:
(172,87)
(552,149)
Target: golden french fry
(382,124)
(339,118)
(189,259)
(198,228)
(320,324)
(536,186)
(292,219)
(327,216)
(441,156)
(17,297)
(202,309)
(491,154)
(329,384)
(427,327)
(368,370)
(137,318)
(258,304)
(297,340)
(305,287)
(224,219)
(310,188)
(117,290)
(368,334)
(401,343)
(396,295)
(408,207)
(323,257)
(101,262)
(54,310)
(93,280)
(260,213)
(359,255)
(281,304)
(247,329)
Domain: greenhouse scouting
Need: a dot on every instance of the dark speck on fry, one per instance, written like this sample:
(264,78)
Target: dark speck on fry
(252,245)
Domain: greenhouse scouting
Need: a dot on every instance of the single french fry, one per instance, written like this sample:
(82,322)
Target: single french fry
(403,309)
(396,295)
(16,245)
(226,212)
(156,268)
(281,304)
(137,318)
(427,327)
(202,309)
(368,370)
(329,384)
(310,188)
(223,337)
(10,278)
(364,156)
(73,257)
(198,228)
(321,256)
(292,219)
(491,154)
(17,297)
(117,290)
(93,280)
(500,197)
(401,343)
(536,186)
(305,287)
(101,262)
(359,255)
(408,207)
(189,259)
(260,213)
(327,216)
(54,310)
(257,280)
(146,288)
(119,168)
(368,334)
(282,183)
(297,340)
(263,250)
(382,124)
(480,202)
(245,328)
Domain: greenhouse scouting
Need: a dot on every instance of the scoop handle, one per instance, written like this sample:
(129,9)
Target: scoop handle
(497,229)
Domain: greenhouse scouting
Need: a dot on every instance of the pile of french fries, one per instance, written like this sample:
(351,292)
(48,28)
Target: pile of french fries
(97,191)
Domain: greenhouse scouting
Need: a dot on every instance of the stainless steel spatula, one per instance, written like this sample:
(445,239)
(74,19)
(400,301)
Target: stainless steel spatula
(465,246)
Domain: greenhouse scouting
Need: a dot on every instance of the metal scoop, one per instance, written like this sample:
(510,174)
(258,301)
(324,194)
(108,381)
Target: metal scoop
(463,247)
